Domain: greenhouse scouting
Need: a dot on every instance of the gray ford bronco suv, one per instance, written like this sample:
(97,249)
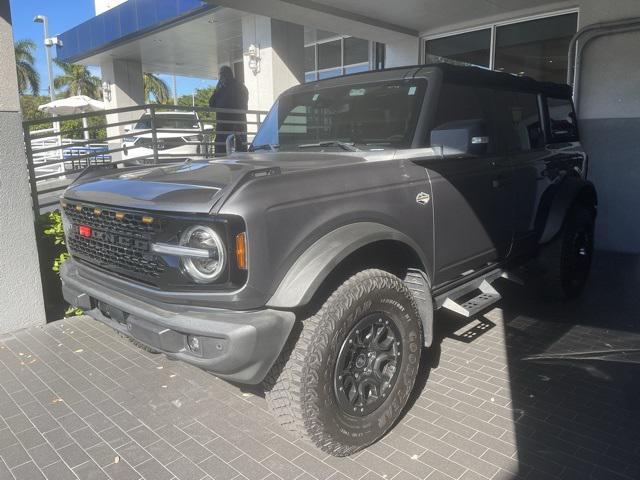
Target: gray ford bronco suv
(314,263)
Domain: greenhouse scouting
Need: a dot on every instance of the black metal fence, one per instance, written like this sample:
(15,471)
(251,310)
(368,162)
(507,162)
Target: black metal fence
(150,134)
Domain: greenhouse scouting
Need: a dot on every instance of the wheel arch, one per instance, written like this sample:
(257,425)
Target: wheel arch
(342,252)
(560,201)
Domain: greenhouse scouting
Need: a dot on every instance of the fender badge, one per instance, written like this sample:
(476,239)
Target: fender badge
(423,198)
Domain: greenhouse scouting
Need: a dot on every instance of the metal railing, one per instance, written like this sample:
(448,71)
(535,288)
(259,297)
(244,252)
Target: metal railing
(149,135)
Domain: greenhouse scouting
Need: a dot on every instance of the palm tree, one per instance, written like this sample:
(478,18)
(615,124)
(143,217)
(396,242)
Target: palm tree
(77,80)
(28,78)
(156,87)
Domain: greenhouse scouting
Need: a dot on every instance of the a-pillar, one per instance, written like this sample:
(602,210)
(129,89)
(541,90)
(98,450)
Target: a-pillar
(125,82)
(21,301)
(281,50)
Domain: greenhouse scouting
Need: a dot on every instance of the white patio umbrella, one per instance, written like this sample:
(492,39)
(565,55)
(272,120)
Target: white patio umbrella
(73,105)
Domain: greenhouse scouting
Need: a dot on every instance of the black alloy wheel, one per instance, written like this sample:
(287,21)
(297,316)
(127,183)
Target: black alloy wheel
(367,364)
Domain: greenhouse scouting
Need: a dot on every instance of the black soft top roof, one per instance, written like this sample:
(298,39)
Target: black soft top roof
(453,73)
(482,76)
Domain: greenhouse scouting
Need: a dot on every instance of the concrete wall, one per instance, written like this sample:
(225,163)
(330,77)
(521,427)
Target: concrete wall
(126,89)
(609,110)
(282,58)
(21,301)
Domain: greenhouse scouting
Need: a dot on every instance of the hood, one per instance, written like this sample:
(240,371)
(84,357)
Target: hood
(196,187)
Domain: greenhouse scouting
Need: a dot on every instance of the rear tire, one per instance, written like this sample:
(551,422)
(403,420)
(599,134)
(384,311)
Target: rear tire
(566,261)
(344,382)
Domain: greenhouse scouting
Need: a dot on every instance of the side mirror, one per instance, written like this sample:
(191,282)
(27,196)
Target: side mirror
(461,138)
(207,127)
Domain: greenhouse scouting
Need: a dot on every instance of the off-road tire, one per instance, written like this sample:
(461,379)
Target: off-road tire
(560,279)
(300,387)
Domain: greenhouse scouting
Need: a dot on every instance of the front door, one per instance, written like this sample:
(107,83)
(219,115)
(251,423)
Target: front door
(473,195)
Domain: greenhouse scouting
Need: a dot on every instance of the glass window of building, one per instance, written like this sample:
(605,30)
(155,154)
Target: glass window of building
(356,50)
(473,48)
(329,55)
(537,48)
(309,58)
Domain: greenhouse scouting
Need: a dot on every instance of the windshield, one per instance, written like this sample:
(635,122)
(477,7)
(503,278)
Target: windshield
(180,122)
(368,116)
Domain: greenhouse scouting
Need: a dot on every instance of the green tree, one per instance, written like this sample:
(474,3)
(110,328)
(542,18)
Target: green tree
(28,78)
(29,105)
(77,80)
(155,87)
(200,98)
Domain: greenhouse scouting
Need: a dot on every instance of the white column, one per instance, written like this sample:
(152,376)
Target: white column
(126,89)
(402,52)
(21,301)
(281,47)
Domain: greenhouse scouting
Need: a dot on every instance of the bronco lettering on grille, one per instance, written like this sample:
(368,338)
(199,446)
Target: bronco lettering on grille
(121,240)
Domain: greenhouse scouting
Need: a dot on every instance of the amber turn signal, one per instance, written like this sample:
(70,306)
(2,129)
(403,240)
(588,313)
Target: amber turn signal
(241,251)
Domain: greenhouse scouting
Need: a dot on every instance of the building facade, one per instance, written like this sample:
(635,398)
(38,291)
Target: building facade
(274,44)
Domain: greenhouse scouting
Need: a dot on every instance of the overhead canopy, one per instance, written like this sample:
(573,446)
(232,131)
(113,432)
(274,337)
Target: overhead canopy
(194,37)
(387,21)
(182,37)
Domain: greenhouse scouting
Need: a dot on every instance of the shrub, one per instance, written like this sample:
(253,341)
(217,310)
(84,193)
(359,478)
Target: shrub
(55,230)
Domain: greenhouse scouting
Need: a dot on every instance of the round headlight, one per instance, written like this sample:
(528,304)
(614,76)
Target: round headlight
(203,270)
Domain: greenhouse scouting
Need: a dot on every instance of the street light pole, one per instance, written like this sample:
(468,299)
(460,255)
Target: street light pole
(47,50)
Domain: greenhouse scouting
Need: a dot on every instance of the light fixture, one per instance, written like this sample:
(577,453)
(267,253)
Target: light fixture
(106,91)
(253,55)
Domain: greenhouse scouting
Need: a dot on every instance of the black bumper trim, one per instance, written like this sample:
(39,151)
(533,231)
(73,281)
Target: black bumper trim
(237,345)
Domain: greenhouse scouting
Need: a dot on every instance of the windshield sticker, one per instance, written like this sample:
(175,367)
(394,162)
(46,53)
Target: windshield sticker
(412,91)
(357,92)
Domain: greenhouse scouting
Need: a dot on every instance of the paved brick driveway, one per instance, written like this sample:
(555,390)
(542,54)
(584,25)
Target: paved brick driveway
(76,401)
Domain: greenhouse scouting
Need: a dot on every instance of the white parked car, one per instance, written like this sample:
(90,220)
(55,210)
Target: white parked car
(173,145)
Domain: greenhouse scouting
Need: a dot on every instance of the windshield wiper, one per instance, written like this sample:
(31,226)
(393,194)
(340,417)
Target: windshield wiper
(350,147)
(265,146)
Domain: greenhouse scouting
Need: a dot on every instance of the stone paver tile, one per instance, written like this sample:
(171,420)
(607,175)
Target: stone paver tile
(90,471)
(27,471)
(185,469)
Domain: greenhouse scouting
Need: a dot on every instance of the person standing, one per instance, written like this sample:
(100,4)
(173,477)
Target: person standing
(230,94)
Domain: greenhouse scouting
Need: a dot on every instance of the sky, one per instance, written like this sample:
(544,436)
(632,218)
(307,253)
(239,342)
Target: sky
(63,15)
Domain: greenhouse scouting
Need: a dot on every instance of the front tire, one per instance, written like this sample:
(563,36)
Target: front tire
(343,384)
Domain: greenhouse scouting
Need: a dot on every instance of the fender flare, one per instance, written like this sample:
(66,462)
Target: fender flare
(311,269)
(562,199)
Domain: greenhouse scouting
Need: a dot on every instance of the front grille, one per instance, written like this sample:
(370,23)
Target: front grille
(163,143)
(119,241)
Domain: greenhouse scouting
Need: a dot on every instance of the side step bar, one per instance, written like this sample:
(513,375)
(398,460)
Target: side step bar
(487,296)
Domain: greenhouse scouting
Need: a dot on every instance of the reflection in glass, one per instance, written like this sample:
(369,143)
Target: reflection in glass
(329,54)
(309,58)
(473,48)
(537,48)
(356,50)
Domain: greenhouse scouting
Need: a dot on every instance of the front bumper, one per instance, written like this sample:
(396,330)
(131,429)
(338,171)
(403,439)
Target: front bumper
(235,345)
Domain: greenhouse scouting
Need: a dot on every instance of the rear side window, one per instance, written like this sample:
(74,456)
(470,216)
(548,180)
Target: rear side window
(524,129)
(562,120)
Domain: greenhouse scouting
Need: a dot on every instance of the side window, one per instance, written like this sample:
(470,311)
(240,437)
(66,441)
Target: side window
(463,103)
(524,129)
(562,120)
